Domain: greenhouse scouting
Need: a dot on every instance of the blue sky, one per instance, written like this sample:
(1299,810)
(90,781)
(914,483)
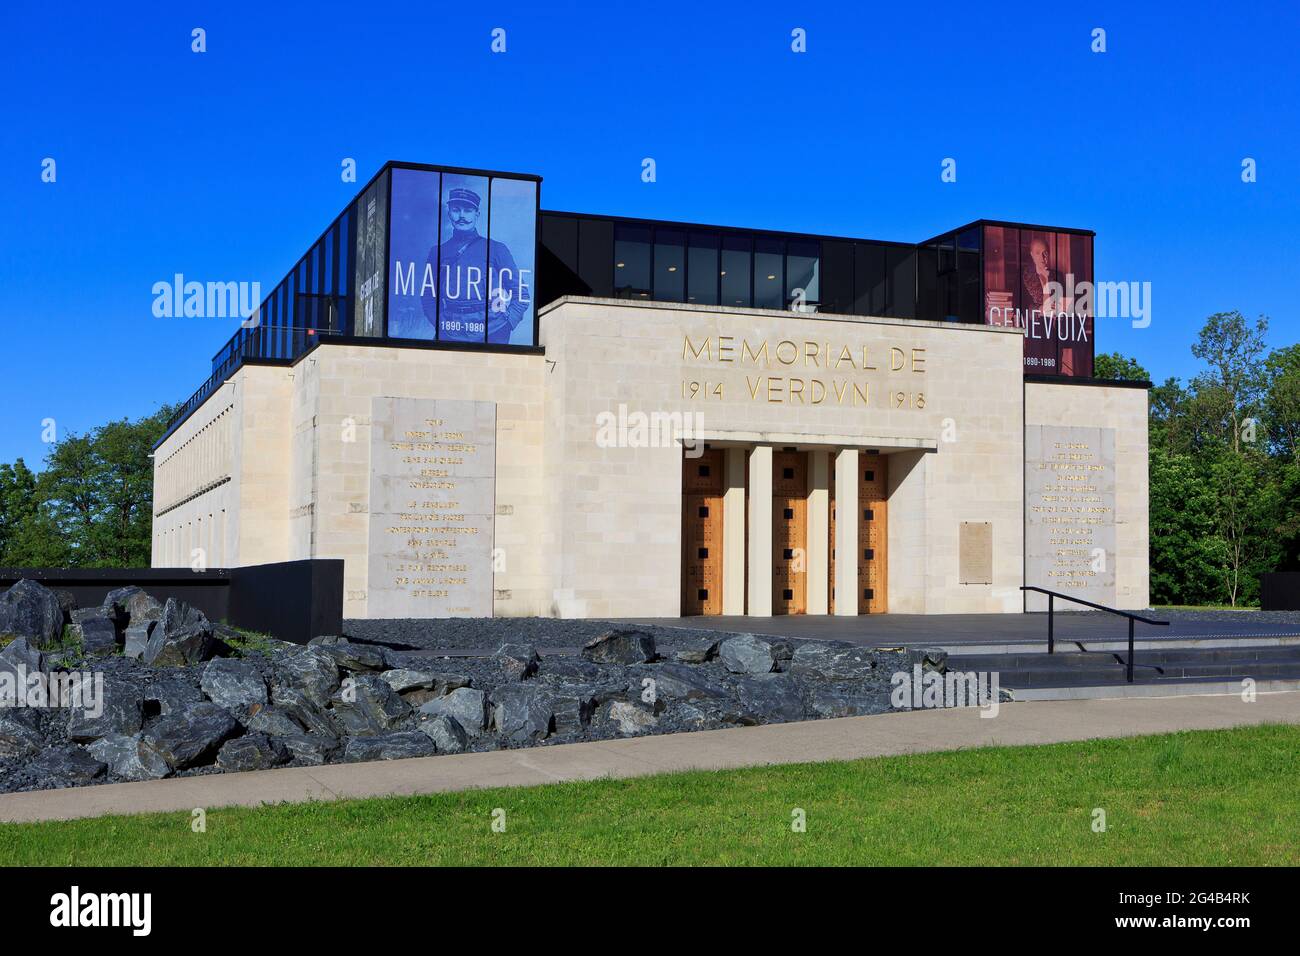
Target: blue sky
(225,165)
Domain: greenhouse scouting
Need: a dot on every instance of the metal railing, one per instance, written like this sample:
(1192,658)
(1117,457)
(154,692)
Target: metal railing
(1051,620)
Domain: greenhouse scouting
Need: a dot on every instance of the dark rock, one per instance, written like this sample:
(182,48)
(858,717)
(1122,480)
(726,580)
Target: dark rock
(311,749)
(170,696)
(683,682)
(20,731)
(619,646)
(573,705)
(131,605)
(394,746)
(233,684)
(183,635)
(930,658)
(782,650)
(832,661)
(96,632)
(67,766)
(404,679)
(135,638)
(312,670)
(447,735)
(365,705)
(191,737)
(17,661)
(767,698)
(626,718)
(126,759)
(825,701)
(519,661)
(103,705)
(252,752)
(688,717)
(272,721)
(67,602)
(521,712)
(355,657)
(559,670)
(465,704)
(747,654)
(302,709)
(697,650)
(29,609)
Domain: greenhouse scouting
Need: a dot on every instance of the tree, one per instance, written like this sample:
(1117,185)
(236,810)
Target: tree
(90,507)
(1234,353)
(1119,368)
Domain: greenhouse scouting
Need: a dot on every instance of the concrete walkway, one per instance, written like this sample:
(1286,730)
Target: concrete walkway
(1033,722)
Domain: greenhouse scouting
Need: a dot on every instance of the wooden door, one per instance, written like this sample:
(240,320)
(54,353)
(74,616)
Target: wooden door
(873,535)
(789,532)
(702,491)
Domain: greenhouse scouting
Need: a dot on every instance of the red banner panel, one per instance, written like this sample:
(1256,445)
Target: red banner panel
(1038,281)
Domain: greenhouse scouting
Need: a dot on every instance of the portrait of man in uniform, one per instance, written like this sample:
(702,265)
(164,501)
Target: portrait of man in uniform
(478,279)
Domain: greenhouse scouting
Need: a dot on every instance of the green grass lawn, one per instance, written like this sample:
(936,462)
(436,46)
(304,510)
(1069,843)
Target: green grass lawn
(1227,797)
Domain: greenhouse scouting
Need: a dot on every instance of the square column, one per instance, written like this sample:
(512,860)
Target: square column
(733,532)
(847,514)
(819,525)
(760,531)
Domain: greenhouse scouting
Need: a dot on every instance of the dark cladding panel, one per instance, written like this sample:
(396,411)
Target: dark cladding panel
(927,294)
(596,256)
(837,278)
(900,265)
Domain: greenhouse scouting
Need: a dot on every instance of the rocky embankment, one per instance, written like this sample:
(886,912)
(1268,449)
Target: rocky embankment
(137,690)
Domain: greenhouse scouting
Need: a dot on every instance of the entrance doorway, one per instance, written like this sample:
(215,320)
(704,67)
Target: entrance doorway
(702,490)
(873,535)
(789,532)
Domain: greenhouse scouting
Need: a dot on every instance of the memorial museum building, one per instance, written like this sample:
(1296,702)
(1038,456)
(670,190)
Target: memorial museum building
(484,409)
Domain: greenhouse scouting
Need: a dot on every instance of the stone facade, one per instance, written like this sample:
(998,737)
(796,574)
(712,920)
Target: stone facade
(589,454)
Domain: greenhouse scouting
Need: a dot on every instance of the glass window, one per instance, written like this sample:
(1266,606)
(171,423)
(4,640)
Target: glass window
(344,225)
(947,254)
(803,274)
(702,269)
(769,273)
(735,271)
(901,266)
(837,278)
(632,262)
(595,243)
(670,265)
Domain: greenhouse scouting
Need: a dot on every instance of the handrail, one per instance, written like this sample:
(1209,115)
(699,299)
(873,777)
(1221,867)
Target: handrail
(1051,619)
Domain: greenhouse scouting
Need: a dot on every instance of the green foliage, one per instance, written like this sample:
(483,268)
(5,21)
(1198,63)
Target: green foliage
(1119,368)
(1225,479)
(90,507)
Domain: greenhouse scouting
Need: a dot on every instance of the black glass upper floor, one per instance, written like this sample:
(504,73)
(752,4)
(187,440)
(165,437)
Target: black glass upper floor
(667,262)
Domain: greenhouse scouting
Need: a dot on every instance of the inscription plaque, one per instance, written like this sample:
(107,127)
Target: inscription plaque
(975,552)
(432,506)
(1070,513)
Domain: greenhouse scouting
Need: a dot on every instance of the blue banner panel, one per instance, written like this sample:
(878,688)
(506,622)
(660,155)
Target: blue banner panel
(413,288)
(511,269)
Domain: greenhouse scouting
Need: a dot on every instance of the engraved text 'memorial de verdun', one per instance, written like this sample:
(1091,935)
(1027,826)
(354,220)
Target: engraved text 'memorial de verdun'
(829,373)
